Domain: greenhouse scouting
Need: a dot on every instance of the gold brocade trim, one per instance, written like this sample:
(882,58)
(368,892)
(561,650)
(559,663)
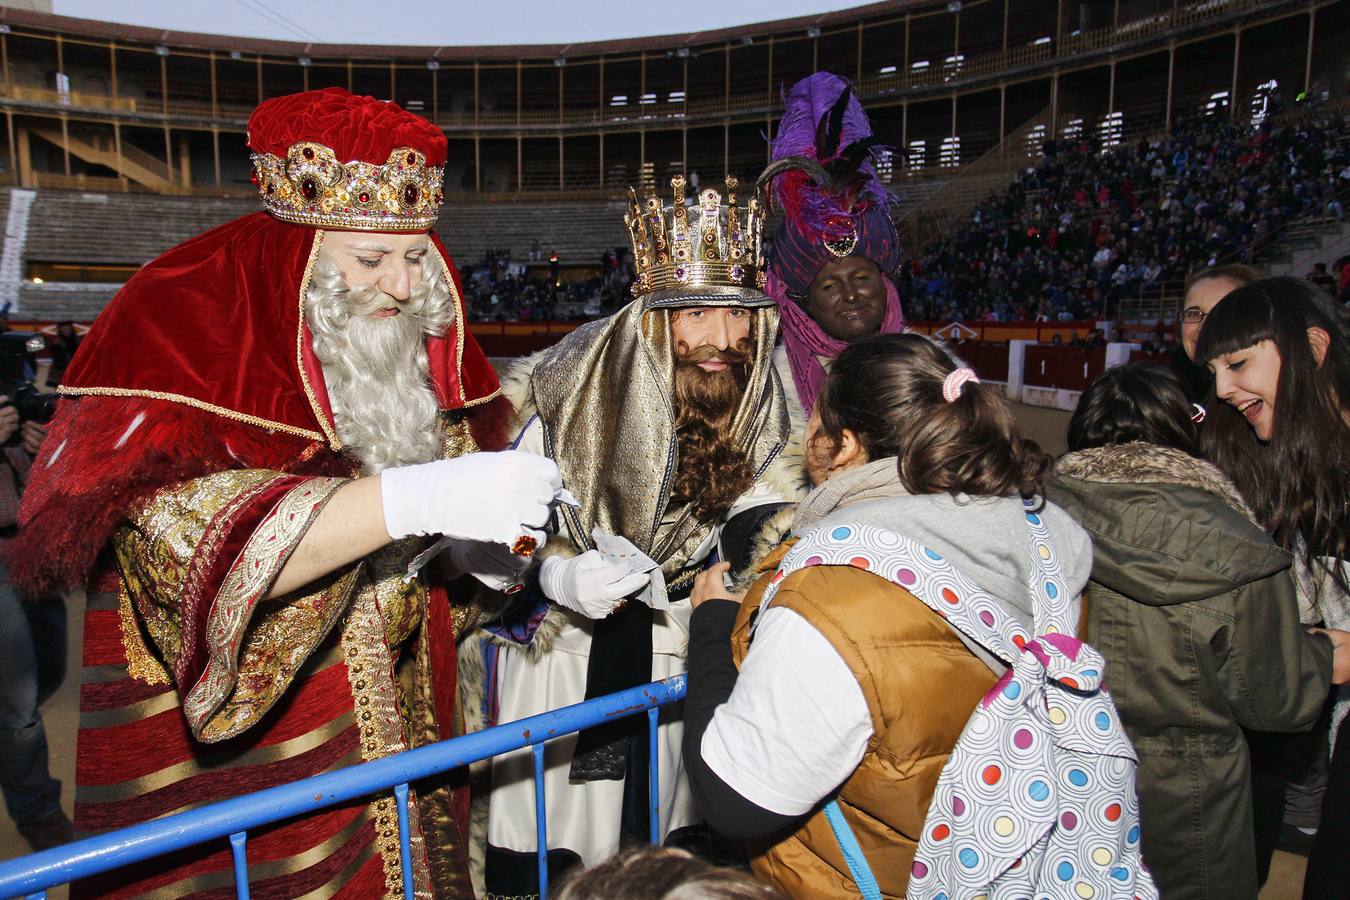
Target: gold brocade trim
(141,663)
(319,416)
(481,400)
(371,675)
(461,323)
(247,582)
(188,401)
(459,617)
(457,438)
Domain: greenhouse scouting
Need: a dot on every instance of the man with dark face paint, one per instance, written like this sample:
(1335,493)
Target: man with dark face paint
(670,424)
(847,299)
(833,257)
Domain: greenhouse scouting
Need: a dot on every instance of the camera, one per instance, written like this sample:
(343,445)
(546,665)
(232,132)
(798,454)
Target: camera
(31,404)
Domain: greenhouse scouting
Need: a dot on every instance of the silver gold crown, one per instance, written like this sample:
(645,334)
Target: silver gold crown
(310,187)
(712,244)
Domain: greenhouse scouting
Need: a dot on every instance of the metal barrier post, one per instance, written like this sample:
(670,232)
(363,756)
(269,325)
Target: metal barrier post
(653,779)
(404,839)
(540,821)
(239,849)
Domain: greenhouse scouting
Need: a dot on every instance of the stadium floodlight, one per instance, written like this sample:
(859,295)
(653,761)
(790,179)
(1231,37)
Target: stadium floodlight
(954,6)
(4,29)
(236,55)
(1040,41)
(747,41)
(560,62)
(813,32)
(887,70)
(433,64)
(304,61)
(161,50)
(682,52)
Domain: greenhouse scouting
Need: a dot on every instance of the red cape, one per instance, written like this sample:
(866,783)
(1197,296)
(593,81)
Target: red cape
(202,362)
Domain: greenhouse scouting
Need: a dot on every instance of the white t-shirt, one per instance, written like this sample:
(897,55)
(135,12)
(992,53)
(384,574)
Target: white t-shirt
(796,726)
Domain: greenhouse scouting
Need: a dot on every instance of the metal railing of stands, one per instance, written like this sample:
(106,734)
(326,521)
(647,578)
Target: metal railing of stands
(31,876)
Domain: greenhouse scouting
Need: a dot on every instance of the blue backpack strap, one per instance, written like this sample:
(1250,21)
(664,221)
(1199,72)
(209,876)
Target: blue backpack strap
(853,855)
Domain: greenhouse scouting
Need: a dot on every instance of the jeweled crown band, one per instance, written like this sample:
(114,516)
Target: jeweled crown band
(712,243)
(703,275)
(310,187)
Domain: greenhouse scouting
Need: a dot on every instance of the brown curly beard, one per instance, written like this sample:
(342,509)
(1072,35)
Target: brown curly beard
(711,472)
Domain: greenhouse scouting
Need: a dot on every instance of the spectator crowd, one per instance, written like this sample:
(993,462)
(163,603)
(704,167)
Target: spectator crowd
(499,289)
(1086,228)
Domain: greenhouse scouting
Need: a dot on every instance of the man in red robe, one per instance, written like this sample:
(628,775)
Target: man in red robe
(256,439)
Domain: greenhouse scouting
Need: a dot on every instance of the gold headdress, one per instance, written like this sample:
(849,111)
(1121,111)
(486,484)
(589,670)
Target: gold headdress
(310,187)
(713,246)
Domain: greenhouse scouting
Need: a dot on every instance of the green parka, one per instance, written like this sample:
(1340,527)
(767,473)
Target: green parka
(1194,609)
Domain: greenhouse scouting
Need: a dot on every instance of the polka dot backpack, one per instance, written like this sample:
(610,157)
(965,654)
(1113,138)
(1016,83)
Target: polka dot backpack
(1038,798)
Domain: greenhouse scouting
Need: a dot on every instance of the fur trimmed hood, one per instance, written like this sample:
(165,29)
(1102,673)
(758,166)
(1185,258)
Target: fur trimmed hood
(1141,463)
(1166,527)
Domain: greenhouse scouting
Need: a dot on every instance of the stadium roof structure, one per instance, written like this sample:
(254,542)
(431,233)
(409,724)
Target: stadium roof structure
(196,40)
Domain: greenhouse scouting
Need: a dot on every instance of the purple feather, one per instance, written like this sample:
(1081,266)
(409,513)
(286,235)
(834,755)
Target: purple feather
(811,206)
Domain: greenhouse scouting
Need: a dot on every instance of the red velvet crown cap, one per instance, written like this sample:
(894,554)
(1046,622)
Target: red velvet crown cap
(355,128)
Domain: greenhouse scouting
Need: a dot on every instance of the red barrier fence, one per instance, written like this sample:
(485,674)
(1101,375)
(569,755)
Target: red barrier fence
(1063,368)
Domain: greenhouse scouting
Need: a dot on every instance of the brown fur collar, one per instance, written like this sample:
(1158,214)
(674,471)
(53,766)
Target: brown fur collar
(1139,462)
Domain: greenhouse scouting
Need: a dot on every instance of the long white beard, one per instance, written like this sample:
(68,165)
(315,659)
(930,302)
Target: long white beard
(376,368)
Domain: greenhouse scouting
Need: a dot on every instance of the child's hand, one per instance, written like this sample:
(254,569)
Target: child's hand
(709,585)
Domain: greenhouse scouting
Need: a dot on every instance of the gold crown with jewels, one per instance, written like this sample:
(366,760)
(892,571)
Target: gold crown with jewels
(310,187)
(711,244)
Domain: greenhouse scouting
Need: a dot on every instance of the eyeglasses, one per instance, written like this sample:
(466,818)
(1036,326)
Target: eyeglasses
(1193,315)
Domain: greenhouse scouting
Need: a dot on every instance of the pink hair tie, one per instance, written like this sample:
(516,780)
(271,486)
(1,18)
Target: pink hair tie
(952,384)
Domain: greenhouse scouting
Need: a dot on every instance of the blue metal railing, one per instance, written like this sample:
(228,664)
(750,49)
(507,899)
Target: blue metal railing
(32,875)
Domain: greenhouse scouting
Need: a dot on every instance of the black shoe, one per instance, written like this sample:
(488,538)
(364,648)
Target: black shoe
(47,832)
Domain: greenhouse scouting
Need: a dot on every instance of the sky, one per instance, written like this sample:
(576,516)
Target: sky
(442,22)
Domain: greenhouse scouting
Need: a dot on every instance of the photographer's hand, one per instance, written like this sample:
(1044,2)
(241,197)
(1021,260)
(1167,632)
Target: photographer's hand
(33,434)
(9,418)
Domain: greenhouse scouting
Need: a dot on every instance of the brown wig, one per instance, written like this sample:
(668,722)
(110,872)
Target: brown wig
(711,471)
(1140,402)
(663,873)
(1298,483)
(1240,274)
(888,391)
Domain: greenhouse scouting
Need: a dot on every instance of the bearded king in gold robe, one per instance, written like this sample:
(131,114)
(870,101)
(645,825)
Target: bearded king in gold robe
(670,425)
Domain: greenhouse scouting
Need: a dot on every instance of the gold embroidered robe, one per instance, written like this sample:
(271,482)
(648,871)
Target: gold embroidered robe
(197,688)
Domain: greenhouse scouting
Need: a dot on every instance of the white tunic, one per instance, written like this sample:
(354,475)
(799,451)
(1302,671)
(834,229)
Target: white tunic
(585,817)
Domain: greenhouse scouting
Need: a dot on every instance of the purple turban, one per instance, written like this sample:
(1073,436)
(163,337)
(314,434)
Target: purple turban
(833,203)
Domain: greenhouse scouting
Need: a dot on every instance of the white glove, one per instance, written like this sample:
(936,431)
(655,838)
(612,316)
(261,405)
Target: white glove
(587,584)
(492,564)
(495,497)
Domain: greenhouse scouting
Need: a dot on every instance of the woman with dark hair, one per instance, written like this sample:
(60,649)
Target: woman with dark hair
(919,570)
(1204,290)
(1193,607)
(1280,353)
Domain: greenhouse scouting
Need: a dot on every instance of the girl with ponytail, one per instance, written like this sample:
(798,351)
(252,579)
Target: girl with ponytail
(922,565)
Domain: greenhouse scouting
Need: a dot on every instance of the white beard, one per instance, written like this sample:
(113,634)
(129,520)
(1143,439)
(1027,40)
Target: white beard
(376,368)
